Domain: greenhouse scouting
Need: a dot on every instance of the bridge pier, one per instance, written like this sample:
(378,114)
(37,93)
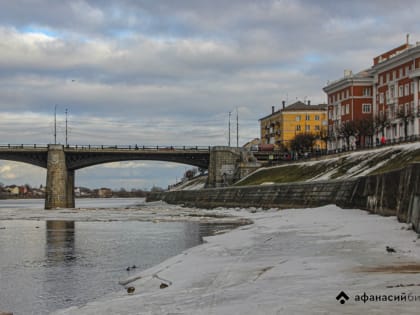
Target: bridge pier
(70,189)
(228,165)
(60,181)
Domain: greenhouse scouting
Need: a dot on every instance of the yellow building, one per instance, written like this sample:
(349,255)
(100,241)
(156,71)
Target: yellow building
(282,126)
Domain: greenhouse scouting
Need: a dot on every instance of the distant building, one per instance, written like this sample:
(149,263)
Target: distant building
(387,94)
(13,190)
(104,193)
(282,126)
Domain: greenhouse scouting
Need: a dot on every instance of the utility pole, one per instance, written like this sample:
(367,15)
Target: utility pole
(237,128)
(55,124)
(66,127)
(230,113)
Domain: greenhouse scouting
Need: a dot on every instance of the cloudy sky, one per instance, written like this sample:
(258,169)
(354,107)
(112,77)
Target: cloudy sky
(169,72)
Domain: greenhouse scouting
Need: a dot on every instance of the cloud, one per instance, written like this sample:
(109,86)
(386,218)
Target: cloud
(21,173)
(169,72)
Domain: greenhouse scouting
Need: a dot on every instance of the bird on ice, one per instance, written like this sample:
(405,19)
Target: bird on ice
(390,249)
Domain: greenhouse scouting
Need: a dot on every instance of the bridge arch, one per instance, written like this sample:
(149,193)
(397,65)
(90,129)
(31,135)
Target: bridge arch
(26,154)
(131,174)
(79,160)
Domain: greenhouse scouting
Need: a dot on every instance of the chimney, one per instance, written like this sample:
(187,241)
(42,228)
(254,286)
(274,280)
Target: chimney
(272,109)
(284,104)
(309,102)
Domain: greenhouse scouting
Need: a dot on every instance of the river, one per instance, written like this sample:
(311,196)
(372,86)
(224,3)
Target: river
(48,264)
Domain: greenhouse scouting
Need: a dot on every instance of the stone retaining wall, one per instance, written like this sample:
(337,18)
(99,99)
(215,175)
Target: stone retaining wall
(394,193)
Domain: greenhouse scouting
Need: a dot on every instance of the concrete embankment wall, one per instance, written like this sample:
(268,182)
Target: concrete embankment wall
(394,193)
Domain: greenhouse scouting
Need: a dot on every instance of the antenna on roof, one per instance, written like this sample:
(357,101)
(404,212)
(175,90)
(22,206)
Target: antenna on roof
(407,38)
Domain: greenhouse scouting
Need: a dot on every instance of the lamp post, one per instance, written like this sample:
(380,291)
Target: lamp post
(55,124)
(230,113)
(66,128)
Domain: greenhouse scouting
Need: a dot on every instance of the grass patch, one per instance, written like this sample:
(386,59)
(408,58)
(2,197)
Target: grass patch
(285,174)
(403,159)
(344,165)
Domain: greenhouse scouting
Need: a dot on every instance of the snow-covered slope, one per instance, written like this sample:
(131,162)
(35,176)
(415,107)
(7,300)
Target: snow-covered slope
(345,165)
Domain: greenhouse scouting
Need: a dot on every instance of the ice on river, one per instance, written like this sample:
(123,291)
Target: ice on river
(287,262)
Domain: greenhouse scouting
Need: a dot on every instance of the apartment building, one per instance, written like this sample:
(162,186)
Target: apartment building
(387,95)
(349,99)
(282,126)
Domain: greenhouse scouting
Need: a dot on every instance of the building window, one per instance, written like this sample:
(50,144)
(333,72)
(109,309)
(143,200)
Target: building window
(392,90)
(401,72)
(330,115)
(381,98)
(297,127)
(316,117)
(366,108)
(317,127)
(347,109)
(366,91)
(401,91)
(307,128)
(298,118)
(308,117)
(412,87)
(343,110)
(406,89)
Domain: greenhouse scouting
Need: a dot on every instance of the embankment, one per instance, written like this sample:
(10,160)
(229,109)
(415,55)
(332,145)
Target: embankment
(392,193)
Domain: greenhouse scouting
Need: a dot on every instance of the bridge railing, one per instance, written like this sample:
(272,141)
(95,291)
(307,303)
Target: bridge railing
(110,147)
(23,146)
(138,147)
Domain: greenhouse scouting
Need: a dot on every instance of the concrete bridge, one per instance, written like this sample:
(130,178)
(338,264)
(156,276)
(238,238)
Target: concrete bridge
(225,164)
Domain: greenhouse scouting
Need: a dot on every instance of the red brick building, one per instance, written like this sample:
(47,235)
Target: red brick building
(349,99)
(387,94)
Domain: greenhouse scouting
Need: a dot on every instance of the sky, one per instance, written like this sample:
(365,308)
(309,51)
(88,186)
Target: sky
(169,72)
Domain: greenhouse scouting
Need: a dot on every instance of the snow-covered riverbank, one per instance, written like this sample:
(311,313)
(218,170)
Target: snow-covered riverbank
(287,262)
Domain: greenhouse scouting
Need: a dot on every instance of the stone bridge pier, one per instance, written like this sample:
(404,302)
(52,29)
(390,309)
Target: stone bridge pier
(228,165)
(60,180)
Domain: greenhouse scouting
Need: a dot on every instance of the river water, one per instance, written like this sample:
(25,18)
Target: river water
(46,265)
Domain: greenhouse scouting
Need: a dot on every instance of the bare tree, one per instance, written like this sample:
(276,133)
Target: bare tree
(365,128)
(303,142)
(348,129)
(381,122)
(406,116)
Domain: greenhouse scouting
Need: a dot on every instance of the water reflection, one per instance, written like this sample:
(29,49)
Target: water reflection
(56,264)
(60,241)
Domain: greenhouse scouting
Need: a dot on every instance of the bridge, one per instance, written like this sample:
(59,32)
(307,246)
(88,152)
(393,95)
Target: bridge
(225,164)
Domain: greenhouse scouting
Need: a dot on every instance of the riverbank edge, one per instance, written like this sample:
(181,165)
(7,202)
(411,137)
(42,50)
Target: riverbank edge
(210,270)
(394,193)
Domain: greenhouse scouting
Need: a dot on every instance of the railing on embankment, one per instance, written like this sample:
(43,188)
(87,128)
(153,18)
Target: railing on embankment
(393,193)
